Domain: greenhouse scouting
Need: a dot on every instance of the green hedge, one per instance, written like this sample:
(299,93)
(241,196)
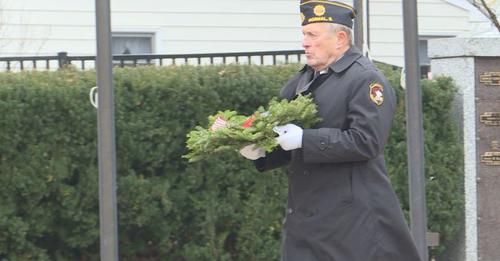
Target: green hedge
(220,209)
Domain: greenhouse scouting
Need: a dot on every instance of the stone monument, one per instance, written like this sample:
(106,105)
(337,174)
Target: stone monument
(474,64)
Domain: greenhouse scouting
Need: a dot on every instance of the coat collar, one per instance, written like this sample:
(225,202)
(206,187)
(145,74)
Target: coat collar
(349,57)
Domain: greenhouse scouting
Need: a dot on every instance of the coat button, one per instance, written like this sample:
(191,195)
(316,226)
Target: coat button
(306,172)
(322,145)
(289,211)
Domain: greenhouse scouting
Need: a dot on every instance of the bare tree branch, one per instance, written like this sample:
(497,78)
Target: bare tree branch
(483,7)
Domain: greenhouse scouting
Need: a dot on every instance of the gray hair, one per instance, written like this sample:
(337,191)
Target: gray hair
(338,27)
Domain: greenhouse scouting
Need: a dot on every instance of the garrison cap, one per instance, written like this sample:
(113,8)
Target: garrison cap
(326,11)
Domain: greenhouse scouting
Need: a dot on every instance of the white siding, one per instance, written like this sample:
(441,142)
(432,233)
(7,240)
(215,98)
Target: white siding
(34,27)
(436,18)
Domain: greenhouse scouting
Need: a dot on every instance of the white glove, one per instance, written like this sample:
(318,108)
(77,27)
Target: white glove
(290,136)
(252,152)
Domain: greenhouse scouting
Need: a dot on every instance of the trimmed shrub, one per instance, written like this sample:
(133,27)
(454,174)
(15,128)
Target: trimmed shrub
(220,209)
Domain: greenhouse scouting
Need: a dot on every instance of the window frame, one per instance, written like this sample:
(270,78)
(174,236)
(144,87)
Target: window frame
(149,35)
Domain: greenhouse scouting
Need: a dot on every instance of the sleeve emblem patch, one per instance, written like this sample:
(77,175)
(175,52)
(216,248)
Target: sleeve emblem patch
(377,93)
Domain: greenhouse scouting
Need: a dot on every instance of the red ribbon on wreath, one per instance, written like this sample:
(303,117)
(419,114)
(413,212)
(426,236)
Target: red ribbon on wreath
(248,122)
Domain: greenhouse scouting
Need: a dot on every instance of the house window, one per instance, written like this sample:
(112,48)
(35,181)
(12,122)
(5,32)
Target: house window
(423,57)
(132,43)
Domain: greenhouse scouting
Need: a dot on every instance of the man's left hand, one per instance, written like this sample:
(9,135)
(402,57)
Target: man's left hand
(290,136)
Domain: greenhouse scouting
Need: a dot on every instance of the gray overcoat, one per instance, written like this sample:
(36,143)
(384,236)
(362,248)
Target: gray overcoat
(341,205)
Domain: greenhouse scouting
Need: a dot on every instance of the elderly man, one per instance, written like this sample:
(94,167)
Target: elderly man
(341,205)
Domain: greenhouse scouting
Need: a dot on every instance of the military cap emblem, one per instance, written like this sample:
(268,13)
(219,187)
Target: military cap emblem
(319,10)
(377,93)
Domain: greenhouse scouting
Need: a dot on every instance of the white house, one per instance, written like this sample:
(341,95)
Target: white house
(34,27)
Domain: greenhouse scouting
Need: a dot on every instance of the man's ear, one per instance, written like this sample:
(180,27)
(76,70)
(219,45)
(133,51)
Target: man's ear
(341,39)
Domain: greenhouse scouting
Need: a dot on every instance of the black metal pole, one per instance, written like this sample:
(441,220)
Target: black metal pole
(358,24)
(367,23)
(414,129)
(106,135)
